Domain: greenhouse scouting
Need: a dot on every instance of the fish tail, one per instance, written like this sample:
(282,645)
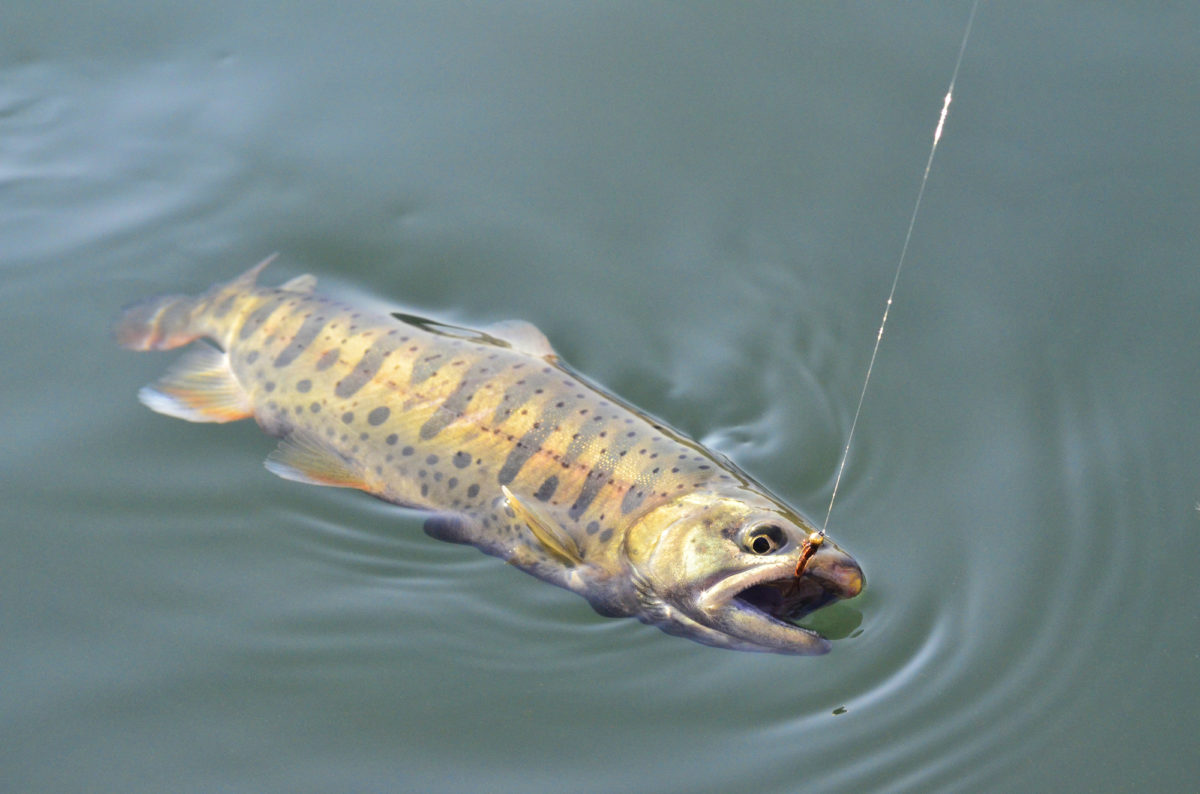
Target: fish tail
(159,323)
(164,322)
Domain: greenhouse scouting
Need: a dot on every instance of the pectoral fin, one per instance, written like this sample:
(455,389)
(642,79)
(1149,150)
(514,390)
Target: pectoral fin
(515,334)
(550,535)
(305,458)
(200,387)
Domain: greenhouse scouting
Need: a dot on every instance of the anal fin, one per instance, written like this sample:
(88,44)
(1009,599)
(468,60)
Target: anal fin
(200,387)
(303,457)
(550,535)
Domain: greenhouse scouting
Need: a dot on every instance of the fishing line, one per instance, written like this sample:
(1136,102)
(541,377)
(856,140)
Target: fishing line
(937,136)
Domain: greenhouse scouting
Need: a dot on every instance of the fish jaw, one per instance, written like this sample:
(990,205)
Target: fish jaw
(754,607)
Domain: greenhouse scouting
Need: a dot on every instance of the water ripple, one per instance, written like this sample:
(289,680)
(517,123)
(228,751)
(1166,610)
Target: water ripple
(1063,560)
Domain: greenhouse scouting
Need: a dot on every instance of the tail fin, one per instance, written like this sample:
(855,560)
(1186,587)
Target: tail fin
(159,323)
(165,321)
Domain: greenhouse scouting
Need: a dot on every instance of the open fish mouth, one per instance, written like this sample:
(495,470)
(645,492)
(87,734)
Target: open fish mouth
(786,599)
(758,607)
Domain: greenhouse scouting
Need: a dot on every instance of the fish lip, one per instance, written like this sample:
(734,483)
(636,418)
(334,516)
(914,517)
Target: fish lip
(730,586)
(828,577)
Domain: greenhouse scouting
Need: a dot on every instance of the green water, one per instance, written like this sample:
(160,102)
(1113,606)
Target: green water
(701,205)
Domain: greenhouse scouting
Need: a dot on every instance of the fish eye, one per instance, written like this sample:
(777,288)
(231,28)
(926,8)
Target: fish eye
(763,539)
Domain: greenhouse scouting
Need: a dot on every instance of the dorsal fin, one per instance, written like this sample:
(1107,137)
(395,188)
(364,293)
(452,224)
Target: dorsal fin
(547,533)
(522,336)
(250,277)
(304,284)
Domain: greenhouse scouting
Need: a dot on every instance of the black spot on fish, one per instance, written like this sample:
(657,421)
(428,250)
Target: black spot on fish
(632,500)
(606,535)
(424,368)
(328,359)
(258,317)
(366,368)
(309,330)
(529,444)
(224,306)
(252,356)
(431,460)
(378,415)
(461,460)
(407,451)
(425,489)
(593,527)
(473,491)
(304,386)
(546,489)
(392,439)
(592,484)
(348,417)
(455,405)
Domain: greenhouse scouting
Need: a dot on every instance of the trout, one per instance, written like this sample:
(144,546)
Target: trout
(506,449)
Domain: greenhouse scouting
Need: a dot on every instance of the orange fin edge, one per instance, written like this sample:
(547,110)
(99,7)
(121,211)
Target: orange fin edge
(302,457)
(199,387)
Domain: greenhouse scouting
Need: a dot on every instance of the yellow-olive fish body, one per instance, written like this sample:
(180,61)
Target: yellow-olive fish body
(506,448)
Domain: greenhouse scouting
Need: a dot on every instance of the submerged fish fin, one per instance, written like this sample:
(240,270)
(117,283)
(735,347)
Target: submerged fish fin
(451,527)
(200,387)
(523,336)
(303,457)
(552,537)
(304,284)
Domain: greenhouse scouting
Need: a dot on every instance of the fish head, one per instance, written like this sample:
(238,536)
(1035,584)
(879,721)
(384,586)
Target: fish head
(722,570)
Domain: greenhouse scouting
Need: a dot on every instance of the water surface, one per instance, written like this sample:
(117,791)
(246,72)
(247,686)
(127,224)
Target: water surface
(702,207)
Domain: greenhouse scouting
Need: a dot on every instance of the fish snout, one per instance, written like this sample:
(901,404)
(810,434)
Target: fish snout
(838,572)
